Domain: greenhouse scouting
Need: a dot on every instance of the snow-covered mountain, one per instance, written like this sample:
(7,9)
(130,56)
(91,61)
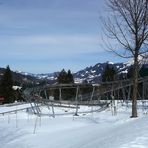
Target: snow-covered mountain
(92,74)
(47,76)
(40,78)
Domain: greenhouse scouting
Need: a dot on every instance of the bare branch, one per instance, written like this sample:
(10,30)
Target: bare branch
(128,26)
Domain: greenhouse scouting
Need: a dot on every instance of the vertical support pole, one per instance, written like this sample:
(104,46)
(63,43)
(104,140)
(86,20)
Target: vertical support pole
(45,94)
(114,106)
(16,119)
(91,99)
(92,94)
(31,103)
(60,95)
(129,94)
(27,110)
(98,95)
(35,125)
(143,96)
(117,92)
(143,90)
(123,93)
(8,118)
(114,109)
(112,98)
(53,111)
(36,105)
(52,104)
(76,100)
(46,99)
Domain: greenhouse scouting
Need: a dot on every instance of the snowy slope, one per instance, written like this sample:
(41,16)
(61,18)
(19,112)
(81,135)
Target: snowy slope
(97,130)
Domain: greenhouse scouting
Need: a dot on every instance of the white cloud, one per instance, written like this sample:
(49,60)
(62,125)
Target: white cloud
(63,44)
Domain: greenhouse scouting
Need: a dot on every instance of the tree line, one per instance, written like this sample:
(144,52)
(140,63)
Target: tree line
(109,74)
(6,87)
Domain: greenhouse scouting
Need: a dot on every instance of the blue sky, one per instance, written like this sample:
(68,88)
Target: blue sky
(43,36)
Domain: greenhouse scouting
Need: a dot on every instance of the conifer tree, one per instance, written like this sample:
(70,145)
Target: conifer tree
(62,77)
(143,71)
(65,78)
(6,86)
(109,74)
(70,78)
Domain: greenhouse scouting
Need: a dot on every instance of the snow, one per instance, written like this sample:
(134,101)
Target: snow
(51,78)
(125,71)
(90,76)
(142,60)
(16,87)
(90,130)
(82,75)
(93,71)
(78,80)
(98,75)
(109,62)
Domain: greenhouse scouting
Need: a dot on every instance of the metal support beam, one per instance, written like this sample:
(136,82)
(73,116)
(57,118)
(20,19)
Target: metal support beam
(60,94)
(76,100)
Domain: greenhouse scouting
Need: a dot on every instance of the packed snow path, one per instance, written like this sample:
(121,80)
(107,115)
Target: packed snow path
(88,131)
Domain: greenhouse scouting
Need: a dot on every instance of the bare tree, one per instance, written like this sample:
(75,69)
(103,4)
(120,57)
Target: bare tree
(127,25)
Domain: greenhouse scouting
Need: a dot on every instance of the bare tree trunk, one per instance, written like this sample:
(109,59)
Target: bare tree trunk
(128,26)
(135,87)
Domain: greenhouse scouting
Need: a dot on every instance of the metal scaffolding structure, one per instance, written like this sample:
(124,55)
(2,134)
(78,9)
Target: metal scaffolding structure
(99,94)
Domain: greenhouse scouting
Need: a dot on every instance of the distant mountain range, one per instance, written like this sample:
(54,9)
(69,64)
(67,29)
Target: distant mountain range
(92,74)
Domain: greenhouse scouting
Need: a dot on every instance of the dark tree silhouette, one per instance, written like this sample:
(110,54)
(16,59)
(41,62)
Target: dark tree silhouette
(65,78)
(143,71)
(62,78)
(108,74)
(6,86)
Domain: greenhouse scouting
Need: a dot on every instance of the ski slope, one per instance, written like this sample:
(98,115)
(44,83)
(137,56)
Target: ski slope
(90,130)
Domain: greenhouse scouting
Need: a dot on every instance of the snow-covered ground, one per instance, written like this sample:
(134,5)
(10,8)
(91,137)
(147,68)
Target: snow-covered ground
(88,130)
